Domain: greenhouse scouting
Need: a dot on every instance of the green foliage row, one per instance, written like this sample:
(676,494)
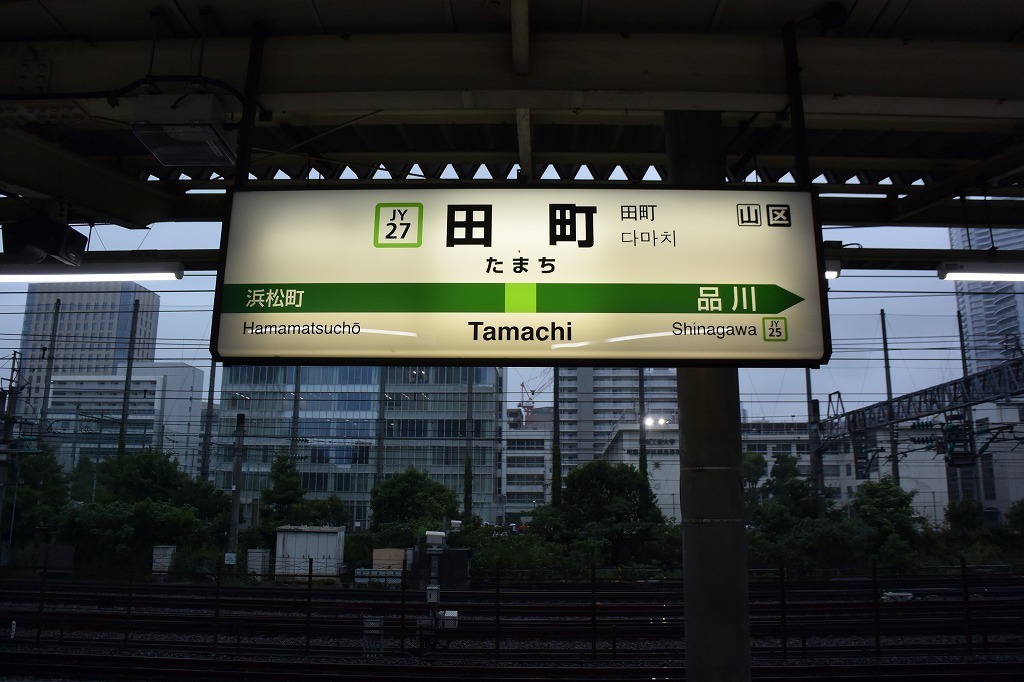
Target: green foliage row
(791,524)
(114,512)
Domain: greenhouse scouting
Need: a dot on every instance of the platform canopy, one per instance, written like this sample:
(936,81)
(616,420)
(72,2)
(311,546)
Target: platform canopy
(909,105)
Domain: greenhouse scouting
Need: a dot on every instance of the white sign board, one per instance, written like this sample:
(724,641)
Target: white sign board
(522,276)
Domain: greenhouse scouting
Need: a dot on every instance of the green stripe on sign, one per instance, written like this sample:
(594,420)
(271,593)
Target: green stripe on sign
(364,298)
(513,297)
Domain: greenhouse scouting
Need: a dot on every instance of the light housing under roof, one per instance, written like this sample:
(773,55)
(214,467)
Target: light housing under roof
(982,272)
(184,130)
(91,272)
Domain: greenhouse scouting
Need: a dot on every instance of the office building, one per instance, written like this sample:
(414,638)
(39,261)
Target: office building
(77,337)
(93,332)
(349,428)
(164,413)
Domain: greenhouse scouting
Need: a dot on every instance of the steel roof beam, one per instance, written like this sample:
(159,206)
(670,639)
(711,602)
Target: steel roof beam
(890,78)
(39,169)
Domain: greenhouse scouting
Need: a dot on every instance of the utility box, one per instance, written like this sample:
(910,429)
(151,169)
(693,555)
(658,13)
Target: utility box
(163,556)
(435,540)
(447,620)
(257,562)
(388,558)
(296,545)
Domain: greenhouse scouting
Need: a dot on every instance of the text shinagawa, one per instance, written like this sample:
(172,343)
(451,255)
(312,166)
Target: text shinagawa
(717,330)
(309,329)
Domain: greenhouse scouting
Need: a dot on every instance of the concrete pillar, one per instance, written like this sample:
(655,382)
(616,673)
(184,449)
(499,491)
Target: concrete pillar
(715,589)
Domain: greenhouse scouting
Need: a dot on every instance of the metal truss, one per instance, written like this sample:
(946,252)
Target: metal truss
(996,383)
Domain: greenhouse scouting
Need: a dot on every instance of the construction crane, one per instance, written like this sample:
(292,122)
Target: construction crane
(527,394)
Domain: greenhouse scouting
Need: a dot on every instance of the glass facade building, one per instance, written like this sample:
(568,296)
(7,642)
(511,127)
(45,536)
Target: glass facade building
(350,427)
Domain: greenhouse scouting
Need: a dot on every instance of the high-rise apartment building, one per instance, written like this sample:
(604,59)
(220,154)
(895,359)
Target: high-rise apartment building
(593,401)
(992,312)
(992,318)
(351,427)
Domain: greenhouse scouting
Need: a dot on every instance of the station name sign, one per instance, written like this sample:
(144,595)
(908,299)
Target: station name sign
(521,276)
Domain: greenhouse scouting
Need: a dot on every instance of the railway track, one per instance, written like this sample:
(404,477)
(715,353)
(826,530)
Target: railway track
(111,666)
(604,628)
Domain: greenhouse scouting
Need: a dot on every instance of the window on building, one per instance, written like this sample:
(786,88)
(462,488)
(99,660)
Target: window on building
(524,497)
(447,455)
(314,481)
(451,428)
(407,428)
(524,444)
(520,462)
(525,479)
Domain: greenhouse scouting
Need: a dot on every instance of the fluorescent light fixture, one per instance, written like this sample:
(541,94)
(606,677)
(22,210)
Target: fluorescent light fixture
(91,272)
(832,269)
(982,272)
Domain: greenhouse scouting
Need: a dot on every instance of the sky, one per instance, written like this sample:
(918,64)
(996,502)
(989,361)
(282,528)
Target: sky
(920,318)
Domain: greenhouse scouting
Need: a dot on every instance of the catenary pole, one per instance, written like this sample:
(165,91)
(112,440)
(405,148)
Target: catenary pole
(51,351)
(204,467)
(236,483)
(122,433)
(894,455)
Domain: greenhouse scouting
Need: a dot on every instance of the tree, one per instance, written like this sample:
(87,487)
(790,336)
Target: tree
(142,498)
(1015,517)
(285,504)
(887,511)
(556,473)
(784,470)
(965,517)
(605,503)
(467,486)
(886,508)
(602,492)
(285,489)
(37,499)
(142,475)
(83,479)
(412,497)
(119,536)
(755,466)
(327,512)
(153,475)
(787,493)
(791,524)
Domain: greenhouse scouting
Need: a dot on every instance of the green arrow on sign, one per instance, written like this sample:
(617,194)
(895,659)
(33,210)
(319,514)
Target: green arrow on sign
(433,297)
(734,299)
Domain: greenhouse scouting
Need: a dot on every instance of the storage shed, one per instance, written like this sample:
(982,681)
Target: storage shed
(296,545)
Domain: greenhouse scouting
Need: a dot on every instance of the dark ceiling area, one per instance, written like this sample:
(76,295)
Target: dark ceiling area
(912,110)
